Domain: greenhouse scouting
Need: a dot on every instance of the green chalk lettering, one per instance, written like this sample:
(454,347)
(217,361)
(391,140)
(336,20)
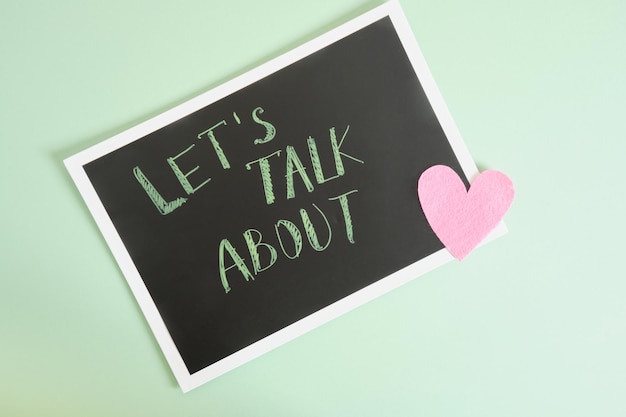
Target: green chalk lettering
(343,202)
(253,248)
(315,161)
(182,177)
(337,150)
(239,263)
(293,161)
(164,207)
(266,176)
(236,117)
(295,235)
(311,234)
(270,130)
(216,145)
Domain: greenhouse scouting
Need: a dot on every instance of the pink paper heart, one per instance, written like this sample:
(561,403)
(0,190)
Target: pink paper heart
(461,219)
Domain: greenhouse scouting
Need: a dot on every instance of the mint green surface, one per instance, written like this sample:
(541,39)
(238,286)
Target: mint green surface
(533,324)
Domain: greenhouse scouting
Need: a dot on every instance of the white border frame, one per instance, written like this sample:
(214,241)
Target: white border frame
(75,165)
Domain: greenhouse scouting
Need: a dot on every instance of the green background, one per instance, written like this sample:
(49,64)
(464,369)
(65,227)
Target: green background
(533,324)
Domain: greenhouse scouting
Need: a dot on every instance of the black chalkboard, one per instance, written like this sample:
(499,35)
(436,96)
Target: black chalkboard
(279,199)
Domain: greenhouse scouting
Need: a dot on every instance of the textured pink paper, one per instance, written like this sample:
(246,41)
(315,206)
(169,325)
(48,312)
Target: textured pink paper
(461,219)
